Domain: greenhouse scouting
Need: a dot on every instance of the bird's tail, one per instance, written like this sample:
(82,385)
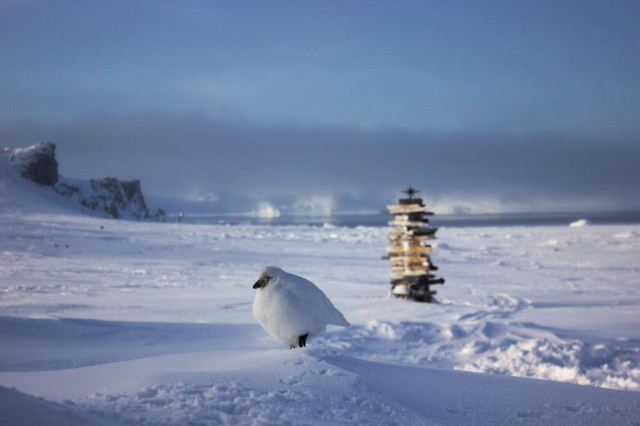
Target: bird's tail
(340,320)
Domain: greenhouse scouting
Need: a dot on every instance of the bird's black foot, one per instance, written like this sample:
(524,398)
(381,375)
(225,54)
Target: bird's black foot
(302,340)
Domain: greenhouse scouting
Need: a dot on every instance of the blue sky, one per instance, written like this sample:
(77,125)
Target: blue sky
(499,105)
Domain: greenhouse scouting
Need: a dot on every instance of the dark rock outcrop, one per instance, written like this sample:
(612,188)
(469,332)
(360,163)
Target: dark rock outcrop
(37,163)
(116,198)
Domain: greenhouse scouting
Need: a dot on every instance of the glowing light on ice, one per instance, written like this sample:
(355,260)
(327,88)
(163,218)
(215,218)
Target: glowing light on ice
(265,210)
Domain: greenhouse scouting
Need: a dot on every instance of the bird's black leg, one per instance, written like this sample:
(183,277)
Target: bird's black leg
(302,340)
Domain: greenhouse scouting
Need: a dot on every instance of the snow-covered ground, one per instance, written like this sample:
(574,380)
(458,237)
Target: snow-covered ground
(150,323)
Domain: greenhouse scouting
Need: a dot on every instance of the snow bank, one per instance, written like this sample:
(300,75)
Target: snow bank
(16,408)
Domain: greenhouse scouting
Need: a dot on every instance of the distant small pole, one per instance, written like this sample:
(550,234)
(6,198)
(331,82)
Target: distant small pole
(411,266)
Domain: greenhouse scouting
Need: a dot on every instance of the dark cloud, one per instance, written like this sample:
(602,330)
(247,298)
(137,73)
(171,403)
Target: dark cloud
(236,163)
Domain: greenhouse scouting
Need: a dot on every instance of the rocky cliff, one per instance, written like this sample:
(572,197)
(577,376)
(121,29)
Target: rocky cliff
(111,196)
(116,198)
(36,163)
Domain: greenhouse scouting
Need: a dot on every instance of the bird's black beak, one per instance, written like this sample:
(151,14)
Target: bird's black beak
(260,283)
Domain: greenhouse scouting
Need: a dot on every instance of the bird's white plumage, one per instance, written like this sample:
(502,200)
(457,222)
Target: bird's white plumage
(289,306)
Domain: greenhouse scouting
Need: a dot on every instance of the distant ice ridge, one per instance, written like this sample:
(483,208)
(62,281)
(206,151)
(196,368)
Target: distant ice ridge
(579,223)
(37,164)
(265,210)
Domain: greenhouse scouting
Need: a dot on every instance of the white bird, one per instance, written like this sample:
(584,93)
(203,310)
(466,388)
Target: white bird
(291,308)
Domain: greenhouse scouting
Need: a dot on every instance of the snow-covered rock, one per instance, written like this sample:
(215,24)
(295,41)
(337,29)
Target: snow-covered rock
(116,198)
(37,164)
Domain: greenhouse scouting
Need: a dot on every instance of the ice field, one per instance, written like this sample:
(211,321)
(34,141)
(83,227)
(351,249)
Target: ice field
(150,323)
